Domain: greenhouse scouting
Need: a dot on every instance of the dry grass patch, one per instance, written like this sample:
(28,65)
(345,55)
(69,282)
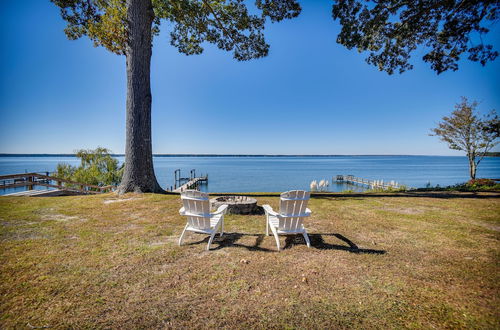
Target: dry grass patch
(376,262)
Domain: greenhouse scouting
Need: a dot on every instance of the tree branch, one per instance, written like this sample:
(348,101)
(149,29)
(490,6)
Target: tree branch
(230,35)
(484,152)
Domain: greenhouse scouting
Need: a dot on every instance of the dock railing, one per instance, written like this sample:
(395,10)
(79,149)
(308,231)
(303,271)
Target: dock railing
(373,184)
(30,180)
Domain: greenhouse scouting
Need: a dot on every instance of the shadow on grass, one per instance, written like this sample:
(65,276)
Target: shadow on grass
(231,240)
(317,242)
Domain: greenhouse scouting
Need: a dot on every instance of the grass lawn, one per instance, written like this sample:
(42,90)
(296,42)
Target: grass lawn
(375,262)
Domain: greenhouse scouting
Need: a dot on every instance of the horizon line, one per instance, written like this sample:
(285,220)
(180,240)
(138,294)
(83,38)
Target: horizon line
(220,155)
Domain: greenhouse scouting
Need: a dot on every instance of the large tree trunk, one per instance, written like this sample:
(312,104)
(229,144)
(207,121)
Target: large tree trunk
(139,175)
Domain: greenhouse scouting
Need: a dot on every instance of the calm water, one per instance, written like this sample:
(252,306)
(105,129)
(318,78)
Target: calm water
(270,174)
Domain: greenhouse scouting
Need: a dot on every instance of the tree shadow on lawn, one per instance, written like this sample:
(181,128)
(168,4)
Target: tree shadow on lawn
(317,242)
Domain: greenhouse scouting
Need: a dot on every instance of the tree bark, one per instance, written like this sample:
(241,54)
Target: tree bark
(472,169)
(471,156)
(139,174)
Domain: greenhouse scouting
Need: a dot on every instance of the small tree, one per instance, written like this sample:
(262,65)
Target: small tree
(465,130)
(97,167)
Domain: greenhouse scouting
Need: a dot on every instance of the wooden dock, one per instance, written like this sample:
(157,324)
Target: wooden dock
(31,180)
(59,186)
(192,183)
(372,184)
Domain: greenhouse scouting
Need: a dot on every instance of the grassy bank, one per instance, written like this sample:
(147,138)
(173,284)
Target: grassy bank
(377,261)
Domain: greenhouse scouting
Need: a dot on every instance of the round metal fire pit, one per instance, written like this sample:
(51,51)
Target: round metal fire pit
(238,204)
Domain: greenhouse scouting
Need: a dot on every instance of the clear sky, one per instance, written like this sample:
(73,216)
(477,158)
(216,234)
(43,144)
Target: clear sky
(309,96)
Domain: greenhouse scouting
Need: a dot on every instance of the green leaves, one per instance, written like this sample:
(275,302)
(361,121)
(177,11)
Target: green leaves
(278,10)
(97,167)
(103,21)
(228,24)
(391,30)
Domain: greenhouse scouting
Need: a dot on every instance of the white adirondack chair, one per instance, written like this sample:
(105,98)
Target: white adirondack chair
(196,207)
(289,220)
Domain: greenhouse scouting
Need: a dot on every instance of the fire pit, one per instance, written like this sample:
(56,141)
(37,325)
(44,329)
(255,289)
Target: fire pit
(238,204)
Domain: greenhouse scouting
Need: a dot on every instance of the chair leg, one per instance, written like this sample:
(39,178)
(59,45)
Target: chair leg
(222,227)
(267,226)
(211,238)
(306,238)
(276,238)
(182,235)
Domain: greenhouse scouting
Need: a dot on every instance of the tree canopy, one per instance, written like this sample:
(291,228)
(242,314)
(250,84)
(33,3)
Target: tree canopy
(391,30)
(226,23)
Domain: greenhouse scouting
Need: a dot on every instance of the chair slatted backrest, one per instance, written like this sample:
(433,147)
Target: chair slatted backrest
(293,205)
(197,208)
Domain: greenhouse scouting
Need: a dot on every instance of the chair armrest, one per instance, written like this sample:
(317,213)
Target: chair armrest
(182,210)
(222,209)
(269,210)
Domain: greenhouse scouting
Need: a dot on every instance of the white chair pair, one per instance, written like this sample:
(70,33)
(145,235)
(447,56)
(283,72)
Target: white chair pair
(289,220)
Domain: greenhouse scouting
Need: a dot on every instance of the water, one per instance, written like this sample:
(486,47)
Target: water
(272,174)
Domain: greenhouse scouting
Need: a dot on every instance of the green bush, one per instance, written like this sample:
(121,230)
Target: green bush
(471,185)
(481,182)
(97,167)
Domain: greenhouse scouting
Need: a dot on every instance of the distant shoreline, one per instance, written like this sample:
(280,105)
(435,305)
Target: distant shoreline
(493,154)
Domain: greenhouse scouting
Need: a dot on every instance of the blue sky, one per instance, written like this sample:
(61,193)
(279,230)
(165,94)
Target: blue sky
(309,96)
